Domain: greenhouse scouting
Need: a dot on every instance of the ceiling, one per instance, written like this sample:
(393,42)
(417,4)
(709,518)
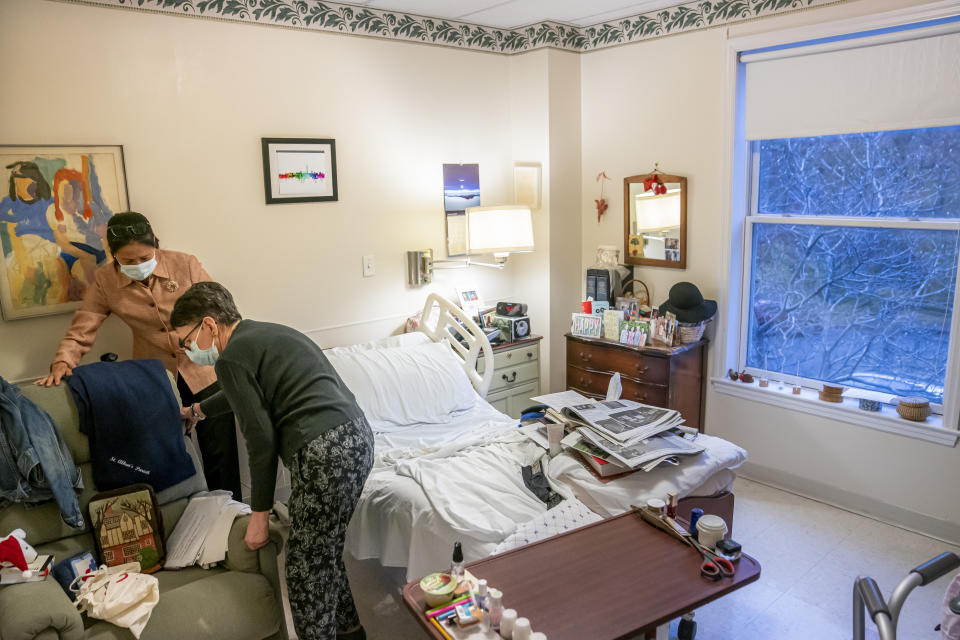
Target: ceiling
(508,14)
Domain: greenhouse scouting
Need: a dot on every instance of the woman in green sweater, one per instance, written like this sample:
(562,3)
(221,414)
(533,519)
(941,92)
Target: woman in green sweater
(291,405)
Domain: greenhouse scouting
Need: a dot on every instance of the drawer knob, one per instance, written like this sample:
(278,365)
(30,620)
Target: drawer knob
(586,357)
(509,355)
(642,370)
(583,380)
(513,378)
(529,354)
(638,397)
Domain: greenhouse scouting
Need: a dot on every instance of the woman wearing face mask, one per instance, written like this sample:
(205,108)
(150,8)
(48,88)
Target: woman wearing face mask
(141,286)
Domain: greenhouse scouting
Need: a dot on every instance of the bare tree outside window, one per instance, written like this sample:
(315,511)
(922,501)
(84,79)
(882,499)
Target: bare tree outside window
(863,306)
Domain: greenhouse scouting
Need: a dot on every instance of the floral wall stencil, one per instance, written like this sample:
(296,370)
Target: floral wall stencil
(335,17)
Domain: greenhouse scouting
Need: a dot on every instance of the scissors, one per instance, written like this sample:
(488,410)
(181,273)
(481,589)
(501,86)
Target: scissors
(714,566)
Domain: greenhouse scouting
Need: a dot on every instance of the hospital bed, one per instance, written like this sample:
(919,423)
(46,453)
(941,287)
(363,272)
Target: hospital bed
(447,465)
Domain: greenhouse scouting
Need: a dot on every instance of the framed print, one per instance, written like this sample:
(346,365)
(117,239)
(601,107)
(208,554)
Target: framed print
(461,190)
(299,169)
(526,184)
(469,300)
(127,527)
(53,223)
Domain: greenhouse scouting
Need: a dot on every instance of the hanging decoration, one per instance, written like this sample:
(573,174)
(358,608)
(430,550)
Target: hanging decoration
(601,203)
(654,182)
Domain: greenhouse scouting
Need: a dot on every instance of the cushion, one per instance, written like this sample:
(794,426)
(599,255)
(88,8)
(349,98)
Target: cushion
(406,385)
(36,609)
(229,604)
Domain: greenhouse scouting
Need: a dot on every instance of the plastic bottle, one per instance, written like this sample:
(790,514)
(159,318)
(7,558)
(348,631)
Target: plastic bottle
(456,568)
(536,635)
(694,516)
(507,622)
(494,608)
(482,593)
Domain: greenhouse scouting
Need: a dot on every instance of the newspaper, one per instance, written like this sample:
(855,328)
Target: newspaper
(623,421)
(639,454)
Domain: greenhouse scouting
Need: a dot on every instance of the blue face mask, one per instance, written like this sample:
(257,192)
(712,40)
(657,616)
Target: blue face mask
(203,357)
(140,271)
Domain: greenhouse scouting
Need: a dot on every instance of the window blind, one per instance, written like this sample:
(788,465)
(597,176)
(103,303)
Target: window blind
(902,80)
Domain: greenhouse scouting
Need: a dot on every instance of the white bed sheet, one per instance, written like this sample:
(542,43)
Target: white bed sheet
(702,475)
(482,451)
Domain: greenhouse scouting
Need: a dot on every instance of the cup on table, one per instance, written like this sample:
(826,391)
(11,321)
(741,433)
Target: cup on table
(507,622)
(710,530)
(521,629)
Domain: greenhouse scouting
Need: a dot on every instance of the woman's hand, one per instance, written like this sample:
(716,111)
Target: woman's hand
(189,420)
(257,530)
(57,371)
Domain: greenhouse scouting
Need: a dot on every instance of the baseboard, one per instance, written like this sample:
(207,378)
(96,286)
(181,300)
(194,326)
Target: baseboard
(944,530)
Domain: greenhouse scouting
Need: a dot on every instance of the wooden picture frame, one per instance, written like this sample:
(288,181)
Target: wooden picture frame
(299,170)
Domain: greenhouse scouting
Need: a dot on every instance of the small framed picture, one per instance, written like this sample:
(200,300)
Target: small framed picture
(469,300)
(299,169)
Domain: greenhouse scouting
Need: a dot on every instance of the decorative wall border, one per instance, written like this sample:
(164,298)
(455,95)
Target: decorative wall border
(334,17)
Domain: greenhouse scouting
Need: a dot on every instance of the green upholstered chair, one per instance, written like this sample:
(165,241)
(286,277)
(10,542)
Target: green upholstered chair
(238,600)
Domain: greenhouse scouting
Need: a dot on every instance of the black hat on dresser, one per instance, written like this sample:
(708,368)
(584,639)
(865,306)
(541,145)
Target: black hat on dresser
(687,303)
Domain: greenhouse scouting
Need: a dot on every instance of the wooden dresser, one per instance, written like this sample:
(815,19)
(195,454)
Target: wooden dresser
(659,376)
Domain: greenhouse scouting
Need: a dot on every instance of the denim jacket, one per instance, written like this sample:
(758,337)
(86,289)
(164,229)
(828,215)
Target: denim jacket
(35,464)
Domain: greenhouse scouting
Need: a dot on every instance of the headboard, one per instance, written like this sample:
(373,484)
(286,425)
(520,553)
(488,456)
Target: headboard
(439,316)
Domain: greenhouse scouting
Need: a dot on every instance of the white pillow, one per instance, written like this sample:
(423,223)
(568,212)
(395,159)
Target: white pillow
(401,340)
(423,383)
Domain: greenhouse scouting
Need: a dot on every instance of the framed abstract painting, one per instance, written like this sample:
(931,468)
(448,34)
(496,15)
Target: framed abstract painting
(299,169)
(53,223)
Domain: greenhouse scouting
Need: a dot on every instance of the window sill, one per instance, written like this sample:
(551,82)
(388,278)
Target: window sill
(887,419)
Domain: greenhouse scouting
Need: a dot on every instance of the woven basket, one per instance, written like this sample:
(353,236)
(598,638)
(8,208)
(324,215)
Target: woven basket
(916,409)
(687,333)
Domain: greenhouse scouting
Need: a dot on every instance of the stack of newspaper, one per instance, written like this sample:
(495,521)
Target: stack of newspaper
(626,435)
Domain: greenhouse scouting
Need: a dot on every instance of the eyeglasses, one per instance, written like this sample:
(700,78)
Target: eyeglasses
(183,344)
(128,230)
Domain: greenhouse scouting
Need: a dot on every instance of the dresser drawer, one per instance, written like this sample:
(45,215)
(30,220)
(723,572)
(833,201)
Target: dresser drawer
(514,375)
(511,357)
(610,358)
(596,384)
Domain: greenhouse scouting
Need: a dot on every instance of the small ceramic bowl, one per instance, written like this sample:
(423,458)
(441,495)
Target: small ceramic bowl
(438,588)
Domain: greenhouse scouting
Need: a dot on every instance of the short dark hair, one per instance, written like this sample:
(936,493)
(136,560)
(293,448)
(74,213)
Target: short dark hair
(205,299)
(129,227)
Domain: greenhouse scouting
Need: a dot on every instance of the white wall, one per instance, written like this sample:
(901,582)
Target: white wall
(664,101)
(190,99)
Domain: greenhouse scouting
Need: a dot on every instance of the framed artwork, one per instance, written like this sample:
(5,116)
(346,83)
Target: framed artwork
(526,184)
(127,527)
(461,190)
(469,300)
(53,223)
(299,169)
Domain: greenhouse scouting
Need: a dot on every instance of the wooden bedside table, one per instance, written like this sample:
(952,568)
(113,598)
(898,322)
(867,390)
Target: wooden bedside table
(516,375)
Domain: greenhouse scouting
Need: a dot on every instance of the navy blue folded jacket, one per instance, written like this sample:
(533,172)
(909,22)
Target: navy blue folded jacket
(131,417)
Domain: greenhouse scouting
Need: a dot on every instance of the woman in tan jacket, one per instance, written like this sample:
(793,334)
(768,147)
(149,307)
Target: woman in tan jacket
(141,286)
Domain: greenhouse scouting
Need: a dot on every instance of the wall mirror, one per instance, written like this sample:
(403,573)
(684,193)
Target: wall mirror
(655,220)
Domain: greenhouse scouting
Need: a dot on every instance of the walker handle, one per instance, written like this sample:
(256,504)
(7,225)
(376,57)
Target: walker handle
(872,598)
(937,567)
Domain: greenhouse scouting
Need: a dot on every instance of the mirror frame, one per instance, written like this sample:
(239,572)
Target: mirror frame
(650,262)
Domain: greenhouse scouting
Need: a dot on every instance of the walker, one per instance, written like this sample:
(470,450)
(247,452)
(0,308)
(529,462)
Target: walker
(866,594)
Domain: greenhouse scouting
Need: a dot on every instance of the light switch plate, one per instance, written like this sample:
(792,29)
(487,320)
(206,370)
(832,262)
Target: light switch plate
(369,266)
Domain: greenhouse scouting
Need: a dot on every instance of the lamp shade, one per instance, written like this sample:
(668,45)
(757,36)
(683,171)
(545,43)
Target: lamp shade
(657,213)
(506,229)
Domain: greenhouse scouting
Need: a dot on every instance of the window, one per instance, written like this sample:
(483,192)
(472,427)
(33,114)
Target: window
(850,159)
(853,259)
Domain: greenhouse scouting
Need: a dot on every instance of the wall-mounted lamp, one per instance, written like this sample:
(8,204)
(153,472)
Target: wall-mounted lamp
(490,230)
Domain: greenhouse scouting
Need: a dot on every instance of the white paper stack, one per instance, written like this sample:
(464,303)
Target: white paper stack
(202,533)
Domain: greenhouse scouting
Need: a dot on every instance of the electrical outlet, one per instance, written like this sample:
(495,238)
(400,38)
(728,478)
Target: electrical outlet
(369,266)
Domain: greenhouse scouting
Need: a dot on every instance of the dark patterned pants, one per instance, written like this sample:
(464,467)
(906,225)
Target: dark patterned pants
(327,476)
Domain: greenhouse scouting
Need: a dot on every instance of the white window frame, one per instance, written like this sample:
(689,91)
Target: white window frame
(942,427)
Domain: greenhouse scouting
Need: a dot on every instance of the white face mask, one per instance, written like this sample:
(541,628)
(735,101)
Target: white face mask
(203,357)
(140,271)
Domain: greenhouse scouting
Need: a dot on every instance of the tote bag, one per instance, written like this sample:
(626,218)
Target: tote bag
(120,595)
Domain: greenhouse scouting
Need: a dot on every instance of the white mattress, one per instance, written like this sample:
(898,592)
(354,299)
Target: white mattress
(434,484)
